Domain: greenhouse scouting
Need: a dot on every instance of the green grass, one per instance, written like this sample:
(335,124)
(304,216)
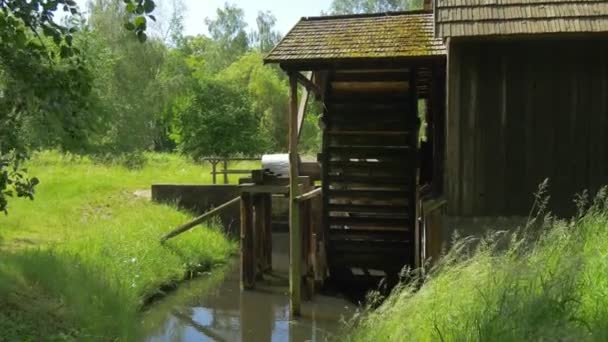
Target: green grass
(82,258)
(550,284)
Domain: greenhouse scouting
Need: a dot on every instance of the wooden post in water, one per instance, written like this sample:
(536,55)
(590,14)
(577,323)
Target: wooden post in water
(259,235)
(295,234)
(268,230)
(247,243)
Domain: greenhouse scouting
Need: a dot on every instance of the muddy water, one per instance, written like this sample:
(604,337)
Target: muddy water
(215,309)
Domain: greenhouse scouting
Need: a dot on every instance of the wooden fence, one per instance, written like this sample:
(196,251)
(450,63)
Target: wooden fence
(223,164)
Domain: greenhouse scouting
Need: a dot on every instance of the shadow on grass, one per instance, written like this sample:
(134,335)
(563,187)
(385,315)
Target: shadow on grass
(51,292)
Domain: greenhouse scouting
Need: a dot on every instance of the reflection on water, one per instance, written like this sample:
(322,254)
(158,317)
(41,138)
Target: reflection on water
(227,314)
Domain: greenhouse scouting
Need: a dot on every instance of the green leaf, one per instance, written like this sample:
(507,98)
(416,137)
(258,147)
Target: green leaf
(142,36)
(152,17)
(130,26)
(20,38)
(68,40)
(66,52)
(140,22)
(149,6)
(57,38)
(131,7)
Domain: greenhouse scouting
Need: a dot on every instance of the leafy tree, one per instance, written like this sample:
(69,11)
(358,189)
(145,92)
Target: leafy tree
(266,37)
(44,85)
(127,95)
(373,6)
(227,30)
(216,121)
(268,92)
(32,53)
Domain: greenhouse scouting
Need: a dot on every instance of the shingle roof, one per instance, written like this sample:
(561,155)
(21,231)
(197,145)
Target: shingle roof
(459,18)
(356,37)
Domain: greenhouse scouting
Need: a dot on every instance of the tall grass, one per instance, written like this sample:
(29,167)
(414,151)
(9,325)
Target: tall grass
(84,256)
(549,284)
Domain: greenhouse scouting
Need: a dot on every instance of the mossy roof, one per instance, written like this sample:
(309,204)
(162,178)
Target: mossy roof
(359,37)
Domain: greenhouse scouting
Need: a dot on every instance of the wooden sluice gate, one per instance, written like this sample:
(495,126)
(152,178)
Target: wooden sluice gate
(307,262)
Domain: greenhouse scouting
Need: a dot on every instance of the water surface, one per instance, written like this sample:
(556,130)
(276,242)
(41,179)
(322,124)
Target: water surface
(215,309)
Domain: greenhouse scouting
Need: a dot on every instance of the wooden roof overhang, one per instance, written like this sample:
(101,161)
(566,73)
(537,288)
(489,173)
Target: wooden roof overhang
(519,18)
(383,40)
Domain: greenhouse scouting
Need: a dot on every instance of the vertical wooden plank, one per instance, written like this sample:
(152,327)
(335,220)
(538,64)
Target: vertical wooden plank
(515,136)
(214,171)
(547,113)
(469,130)
(413,198)
(318,261)
(247,243)
(225,171)
(295,233)
(595,134)
(304,104)
(500,191)
(602,172)
(586,115)
(529,82)
(439,131)
(305,225)
(267,198)
(573,149)
(562,161)
(486,119)
(453,147)
(325,167)
(259,235)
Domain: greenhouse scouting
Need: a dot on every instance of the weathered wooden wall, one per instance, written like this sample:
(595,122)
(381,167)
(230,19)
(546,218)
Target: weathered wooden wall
(520,112)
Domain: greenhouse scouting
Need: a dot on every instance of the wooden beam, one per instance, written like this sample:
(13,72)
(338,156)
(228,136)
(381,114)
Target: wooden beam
(188,226)
(309,195)
(248,263)
(295,233)
(264,189)
(303,105)
(258,242)
(307,83)
(268,230)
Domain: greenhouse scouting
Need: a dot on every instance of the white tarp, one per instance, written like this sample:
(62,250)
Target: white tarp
(276,164)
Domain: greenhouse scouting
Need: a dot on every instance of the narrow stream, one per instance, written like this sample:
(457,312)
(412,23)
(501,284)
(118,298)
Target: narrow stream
(214,309)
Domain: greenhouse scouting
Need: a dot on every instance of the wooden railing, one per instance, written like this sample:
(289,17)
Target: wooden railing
(225,171)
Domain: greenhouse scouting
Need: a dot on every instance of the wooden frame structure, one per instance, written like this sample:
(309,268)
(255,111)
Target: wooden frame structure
(369,211)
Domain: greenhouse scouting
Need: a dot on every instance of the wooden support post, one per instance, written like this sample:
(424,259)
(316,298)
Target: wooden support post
(303,106)
(259,233)
(225,171)
(268,230)
(306,240)
(214,171)
(247,243)
(295,234)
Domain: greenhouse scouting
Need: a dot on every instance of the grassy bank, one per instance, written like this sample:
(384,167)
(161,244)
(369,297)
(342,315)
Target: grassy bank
(83,257)
(548,286)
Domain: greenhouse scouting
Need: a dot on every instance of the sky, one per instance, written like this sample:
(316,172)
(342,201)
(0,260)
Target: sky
(287,12)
